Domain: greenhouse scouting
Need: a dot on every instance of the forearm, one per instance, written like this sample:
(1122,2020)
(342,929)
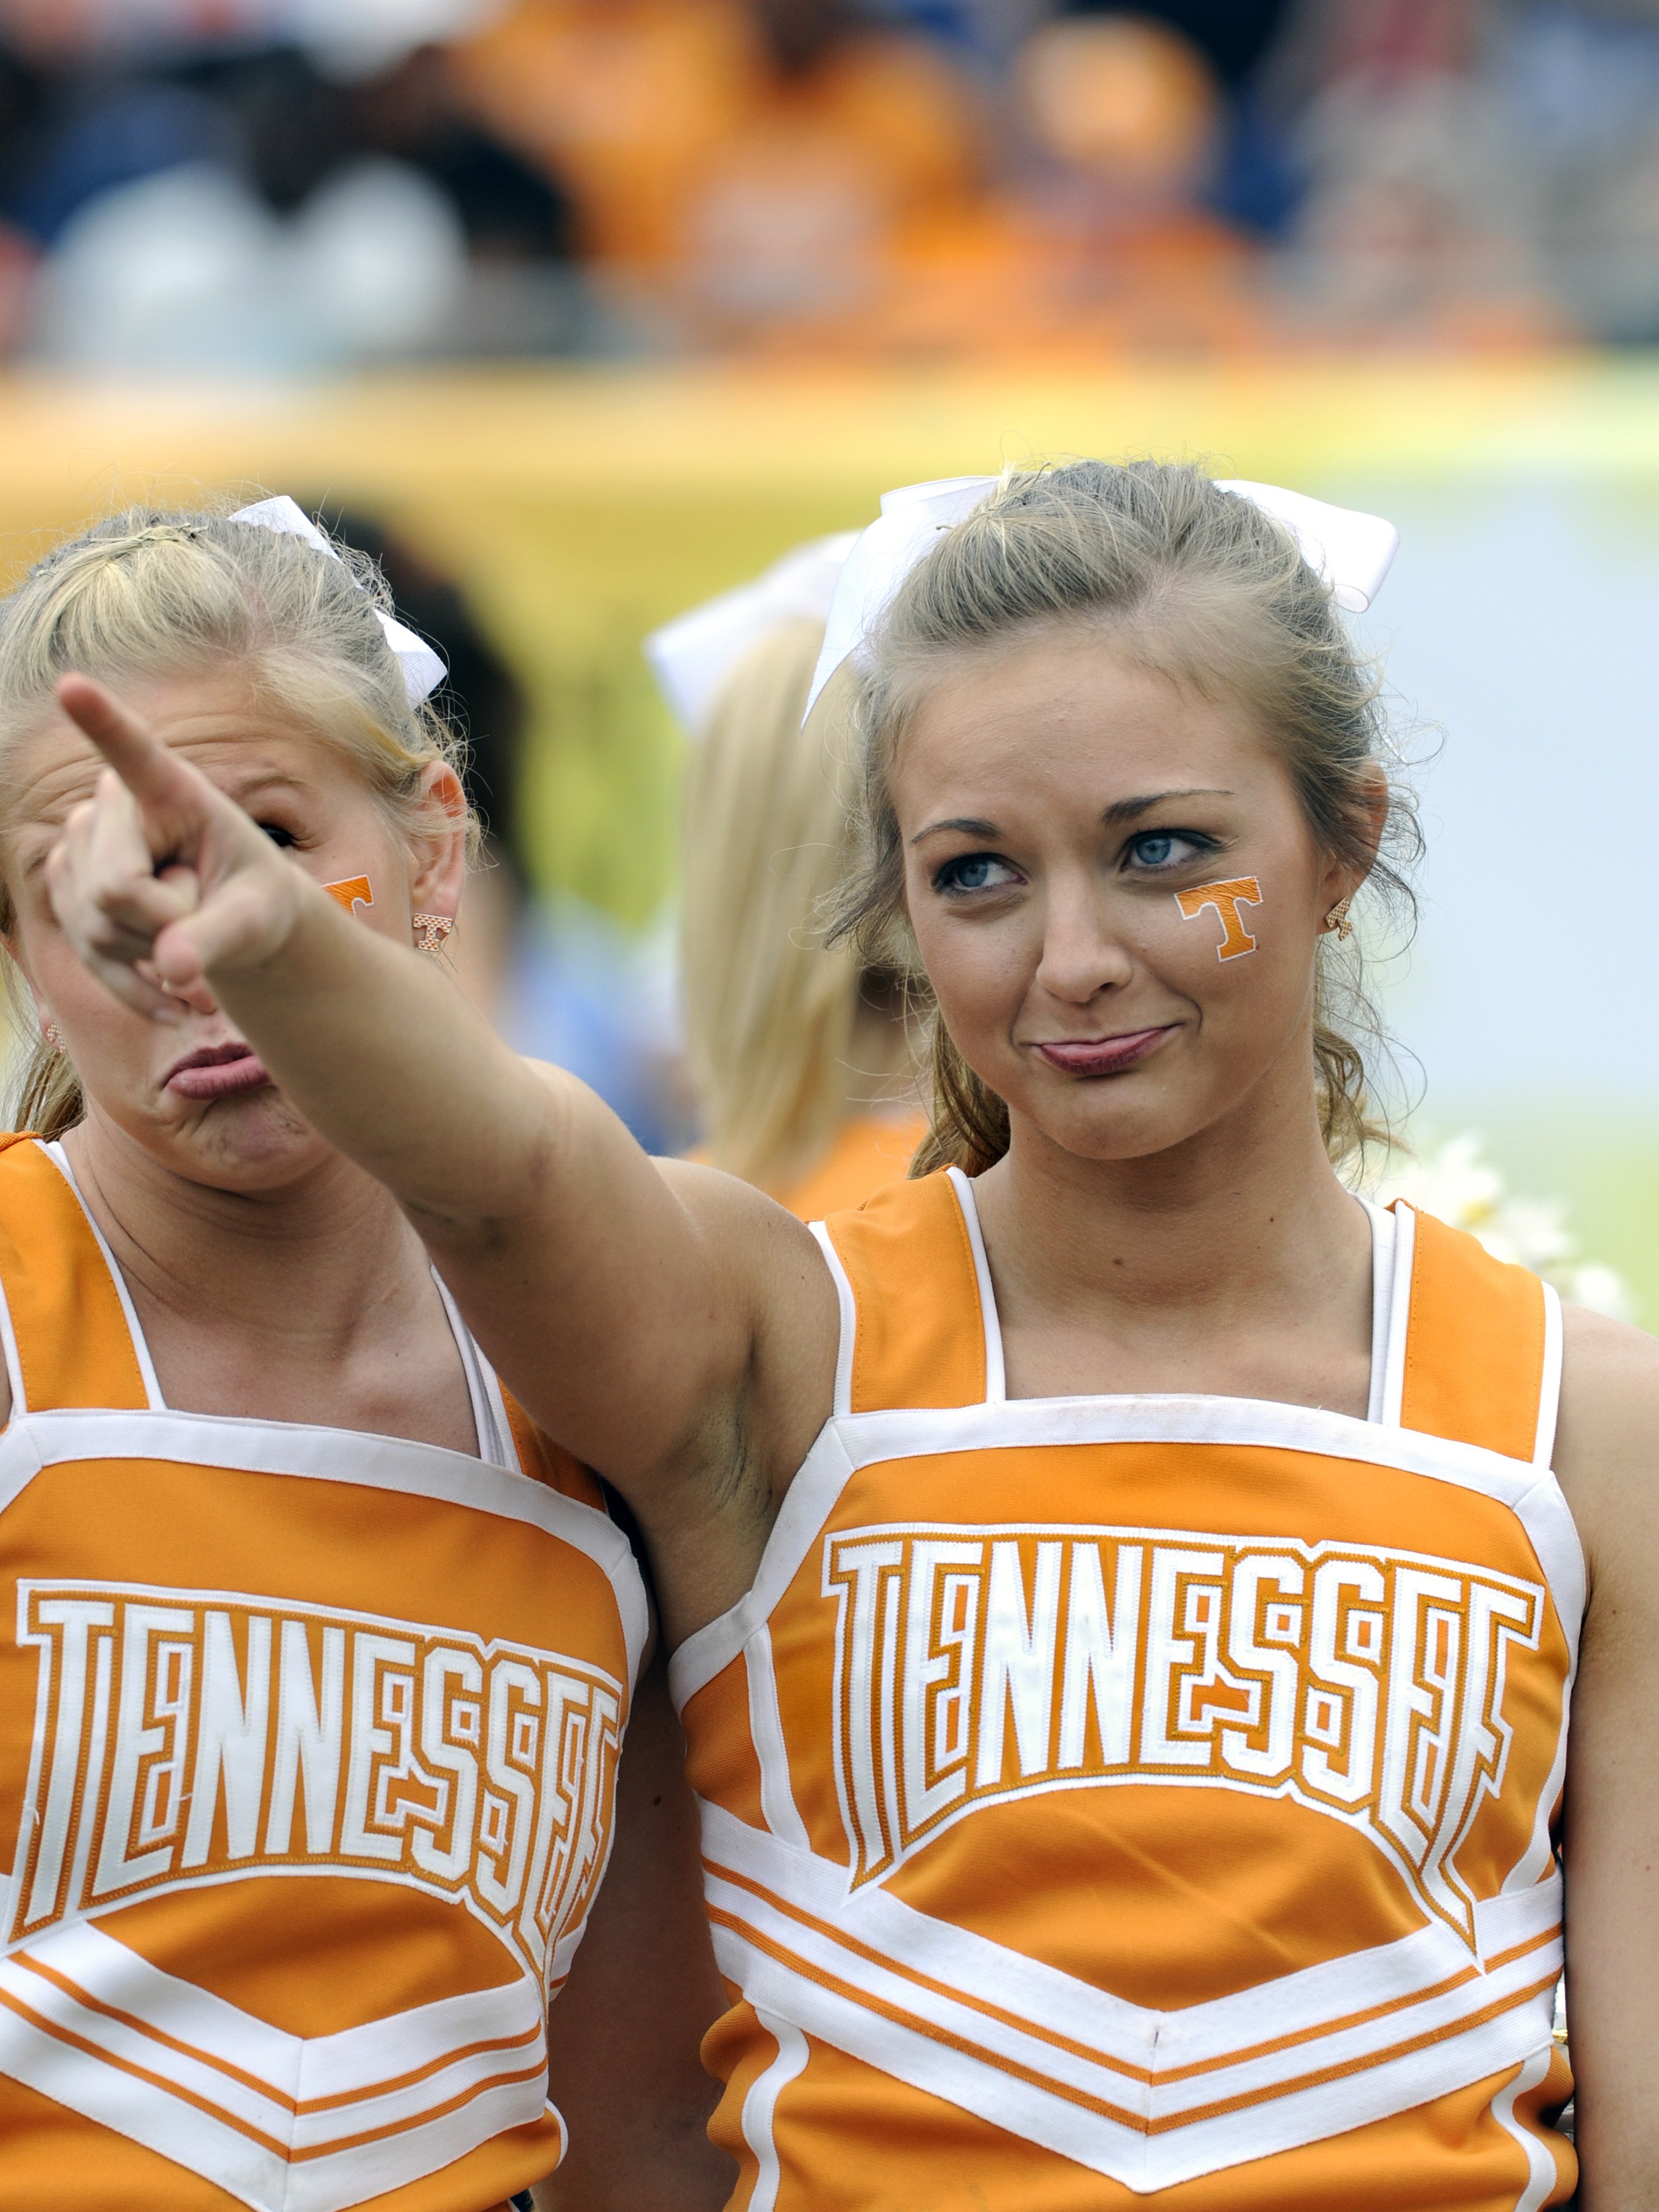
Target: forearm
(380,1051)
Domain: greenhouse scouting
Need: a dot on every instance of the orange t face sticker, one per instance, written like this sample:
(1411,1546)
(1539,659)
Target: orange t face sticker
(1227,899)
(352,891)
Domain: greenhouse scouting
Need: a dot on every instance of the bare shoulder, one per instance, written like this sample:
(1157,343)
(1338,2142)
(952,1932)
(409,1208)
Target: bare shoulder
(1606,1452)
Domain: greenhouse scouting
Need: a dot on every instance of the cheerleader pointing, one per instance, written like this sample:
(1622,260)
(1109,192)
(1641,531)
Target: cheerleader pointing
(316,1658)
(1126,1592)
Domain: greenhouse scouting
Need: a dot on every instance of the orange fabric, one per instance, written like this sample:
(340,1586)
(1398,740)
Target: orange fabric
(738,2051)
(1306,1641)
(910,1264)
(50,1266)
(867,1152)
(546,1461)
(1474,1352)
(723,1766)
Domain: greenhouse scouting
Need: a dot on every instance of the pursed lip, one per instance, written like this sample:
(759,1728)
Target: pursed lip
(217,1070)
(1104,1056)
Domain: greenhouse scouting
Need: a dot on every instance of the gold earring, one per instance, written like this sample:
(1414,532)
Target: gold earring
(49,1030)
(1337,920)
(432,931)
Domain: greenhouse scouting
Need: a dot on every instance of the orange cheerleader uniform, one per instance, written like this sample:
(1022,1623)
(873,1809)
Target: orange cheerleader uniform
(307,1749)
(1113,1799)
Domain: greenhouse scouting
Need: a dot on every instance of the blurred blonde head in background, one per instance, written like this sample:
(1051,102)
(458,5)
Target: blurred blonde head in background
(795,1049)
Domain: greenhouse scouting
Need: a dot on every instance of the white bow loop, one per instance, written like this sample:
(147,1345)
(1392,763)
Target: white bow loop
(1352,552)
(423,672)
(692,656)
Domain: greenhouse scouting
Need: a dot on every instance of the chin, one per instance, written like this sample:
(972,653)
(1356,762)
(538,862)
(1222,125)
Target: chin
(1092,1127)
(255,1143)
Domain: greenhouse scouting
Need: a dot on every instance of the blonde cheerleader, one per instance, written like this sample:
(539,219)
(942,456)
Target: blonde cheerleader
(1127,1591)
(316,1657)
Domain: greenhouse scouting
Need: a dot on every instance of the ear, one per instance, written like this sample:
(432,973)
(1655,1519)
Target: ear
(1367,819)
(439,872)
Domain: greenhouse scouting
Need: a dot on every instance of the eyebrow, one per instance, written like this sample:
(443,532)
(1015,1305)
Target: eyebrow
(1121,810)
(970,825)
(266,780)
(1130,810)
(244,794)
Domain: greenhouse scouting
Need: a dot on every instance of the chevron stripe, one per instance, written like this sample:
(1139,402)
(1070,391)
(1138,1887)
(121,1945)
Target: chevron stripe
(1148,2099)
(283,2123)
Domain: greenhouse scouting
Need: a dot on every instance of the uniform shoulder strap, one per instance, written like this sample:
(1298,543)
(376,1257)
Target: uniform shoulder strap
(909,1262)
(543,1461)
(1483,1345)
(71,1337)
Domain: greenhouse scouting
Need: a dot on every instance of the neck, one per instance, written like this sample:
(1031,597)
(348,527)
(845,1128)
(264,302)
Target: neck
(322,1258)
(1245,1219)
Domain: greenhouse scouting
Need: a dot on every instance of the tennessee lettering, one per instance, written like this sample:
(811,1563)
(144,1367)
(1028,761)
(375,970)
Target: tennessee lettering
(978,1664)
(179,1737)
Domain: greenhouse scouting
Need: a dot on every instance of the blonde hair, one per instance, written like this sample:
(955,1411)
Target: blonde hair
(769,1010)
(150,592)
(1203,587)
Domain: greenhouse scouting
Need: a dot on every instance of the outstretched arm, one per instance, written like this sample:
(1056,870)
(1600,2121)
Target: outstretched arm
(671,1327)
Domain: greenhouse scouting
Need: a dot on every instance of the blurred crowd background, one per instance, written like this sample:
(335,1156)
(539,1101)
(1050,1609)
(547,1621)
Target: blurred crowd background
(577,312)
(270,183)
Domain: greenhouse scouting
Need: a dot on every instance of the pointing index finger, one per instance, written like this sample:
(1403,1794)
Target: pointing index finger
(150,772)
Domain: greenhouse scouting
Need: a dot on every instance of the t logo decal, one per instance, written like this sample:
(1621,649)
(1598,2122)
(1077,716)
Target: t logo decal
(1227,899)
(352,891)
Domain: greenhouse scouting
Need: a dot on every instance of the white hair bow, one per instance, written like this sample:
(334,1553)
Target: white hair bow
(1350,551)
(423,672)
(692,656)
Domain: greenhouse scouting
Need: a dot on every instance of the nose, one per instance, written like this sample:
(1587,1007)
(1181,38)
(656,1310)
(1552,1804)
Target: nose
(1082,955)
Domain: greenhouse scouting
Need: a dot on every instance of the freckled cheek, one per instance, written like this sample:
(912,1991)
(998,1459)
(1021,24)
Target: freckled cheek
(367,877)
(116,1052)
(981,975)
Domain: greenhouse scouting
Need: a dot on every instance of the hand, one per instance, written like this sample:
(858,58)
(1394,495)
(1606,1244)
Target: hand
(159,876)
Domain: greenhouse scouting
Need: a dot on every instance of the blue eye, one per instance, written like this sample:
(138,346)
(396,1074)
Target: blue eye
(1167,848)
(974,872)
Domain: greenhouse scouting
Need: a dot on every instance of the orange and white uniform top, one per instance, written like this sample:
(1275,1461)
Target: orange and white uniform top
(307,1752)
(1113,1798)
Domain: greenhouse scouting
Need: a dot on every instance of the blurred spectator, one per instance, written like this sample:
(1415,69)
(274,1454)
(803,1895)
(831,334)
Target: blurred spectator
(749,163)
(1128,110)
(1420,218)
(295,183)
(1232,35)
(219,201)
(1583,86)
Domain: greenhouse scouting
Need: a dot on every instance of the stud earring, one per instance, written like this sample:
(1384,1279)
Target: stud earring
(1337,920)
(49,1030)
(432,931)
